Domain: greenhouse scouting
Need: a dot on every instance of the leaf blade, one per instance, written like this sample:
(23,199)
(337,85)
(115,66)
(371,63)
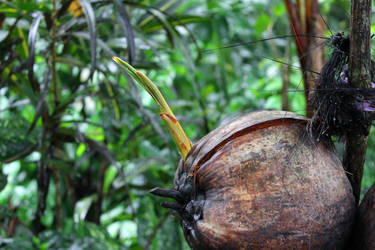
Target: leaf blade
(128,30)
(31,41)
(91,25)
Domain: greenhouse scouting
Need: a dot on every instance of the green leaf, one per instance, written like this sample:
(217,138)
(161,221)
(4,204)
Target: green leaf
(3,180)
(110,175)
(14,141)
(127,28)
(91,24)
(279,9)
(162,6)
(31,42)
(262,23)
(82,207)
(154,26)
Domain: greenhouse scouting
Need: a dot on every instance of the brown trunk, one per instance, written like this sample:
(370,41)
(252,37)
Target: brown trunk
(285,71)
(286,80)
(315,59)
(359,76)
(306,25)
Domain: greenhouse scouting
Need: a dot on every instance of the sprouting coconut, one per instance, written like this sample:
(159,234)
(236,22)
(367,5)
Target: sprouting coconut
(257,183)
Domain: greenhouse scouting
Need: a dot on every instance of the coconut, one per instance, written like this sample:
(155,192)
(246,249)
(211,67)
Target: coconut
(260,182)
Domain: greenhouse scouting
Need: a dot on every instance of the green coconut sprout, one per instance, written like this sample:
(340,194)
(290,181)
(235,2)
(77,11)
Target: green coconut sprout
(182,141)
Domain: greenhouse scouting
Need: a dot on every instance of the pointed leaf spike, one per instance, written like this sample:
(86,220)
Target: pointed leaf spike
(127,67)
(182,141)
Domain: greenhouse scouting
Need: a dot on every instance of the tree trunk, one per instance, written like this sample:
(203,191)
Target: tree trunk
(307,25)
(359,76)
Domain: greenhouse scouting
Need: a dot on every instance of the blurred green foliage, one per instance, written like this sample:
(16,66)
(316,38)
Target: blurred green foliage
(81,145)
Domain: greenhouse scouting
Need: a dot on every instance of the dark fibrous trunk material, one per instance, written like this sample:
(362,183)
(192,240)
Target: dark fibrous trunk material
(341,109)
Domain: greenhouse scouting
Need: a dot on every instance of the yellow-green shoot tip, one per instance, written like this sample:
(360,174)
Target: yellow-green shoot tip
(182,141)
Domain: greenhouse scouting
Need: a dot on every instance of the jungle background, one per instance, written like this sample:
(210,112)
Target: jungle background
(81,144)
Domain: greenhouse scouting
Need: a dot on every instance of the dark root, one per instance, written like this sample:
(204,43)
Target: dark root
(188,204)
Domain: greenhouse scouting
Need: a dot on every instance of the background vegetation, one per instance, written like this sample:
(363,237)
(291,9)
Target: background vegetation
(81,145)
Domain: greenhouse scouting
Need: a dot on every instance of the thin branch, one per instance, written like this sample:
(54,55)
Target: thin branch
(71,192)
(22,154)
(285,72)
(99,190)
(56,177)
(286,81)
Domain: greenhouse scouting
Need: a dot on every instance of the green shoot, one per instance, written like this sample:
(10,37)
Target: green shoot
(182,141)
